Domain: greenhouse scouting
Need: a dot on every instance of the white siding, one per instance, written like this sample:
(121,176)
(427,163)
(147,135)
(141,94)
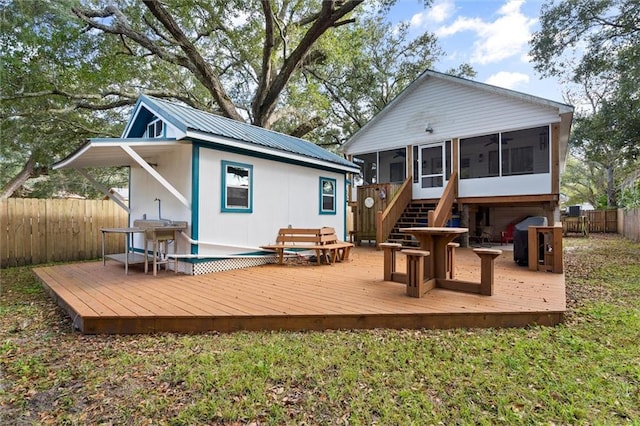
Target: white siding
(283,195)
(453,111)
(507,185)
(175,167)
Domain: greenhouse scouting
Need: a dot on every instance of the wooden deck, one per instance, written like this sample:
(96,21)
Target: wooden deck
(351,295)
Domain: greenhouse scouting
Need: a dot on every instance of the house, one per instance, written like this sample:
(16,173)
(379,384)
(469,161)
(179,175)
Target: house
(481,156)
(233,184)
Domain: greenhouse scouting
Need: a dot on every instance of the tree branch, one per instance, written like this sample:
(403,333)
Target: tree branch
(28,171)
(327,18)
(121,27)
(201,69)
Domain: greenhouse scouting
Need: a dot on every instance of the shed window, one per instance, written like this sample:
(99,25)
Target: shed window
(155,129)
(237,183)
(327,196)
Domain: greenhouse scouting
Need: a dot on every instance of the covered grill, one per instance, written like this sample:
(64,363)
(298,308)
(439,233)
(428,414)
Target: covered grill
(521,238)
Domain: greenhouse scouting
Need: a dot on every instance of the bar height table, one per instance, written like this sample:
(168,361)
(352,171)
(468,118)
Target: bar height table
(435,240)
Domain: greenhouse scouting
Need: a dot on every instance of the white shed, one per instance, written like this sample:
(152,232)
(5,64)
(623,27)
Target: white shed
(233,183)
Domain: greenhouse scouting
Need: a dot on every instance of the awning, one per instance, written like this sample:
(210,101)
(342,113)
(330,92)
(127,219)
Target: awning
(123,152)
(113,152)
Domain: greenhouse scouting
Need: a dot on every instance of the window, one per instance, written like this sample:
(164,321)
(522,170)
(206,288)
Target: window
(474,151)
(525,151)
(505,154)
(155,129)
(327,196)
(396,172)
(368,168)
(237,182)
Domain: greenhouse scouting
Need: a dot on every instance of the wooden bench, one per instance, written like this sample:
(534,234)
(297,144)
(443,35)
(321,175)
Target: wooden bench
(323,241)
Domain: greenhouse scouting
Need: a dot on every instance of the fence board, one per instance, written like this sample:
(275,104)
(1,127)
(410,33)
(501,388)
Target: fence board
(36,231)
(41,236)
(631,221)
(4,217)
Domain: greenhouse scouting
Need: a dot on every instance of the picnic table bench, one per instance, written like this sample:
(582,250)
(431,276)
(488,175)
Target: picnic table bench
(323,241)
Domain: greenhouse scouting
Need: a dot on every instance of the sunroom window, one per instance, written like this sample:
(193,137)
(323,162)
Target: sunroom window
(474,156)
(513,153)
(525,151)
(237,182)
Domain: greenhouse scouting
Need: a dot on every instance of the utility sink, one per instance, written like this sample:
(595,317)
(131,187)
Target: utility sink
(159,223)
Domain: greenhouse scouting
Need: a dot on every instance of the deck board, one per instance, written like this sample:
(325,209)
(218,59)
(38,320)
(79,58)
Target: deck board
(102,299)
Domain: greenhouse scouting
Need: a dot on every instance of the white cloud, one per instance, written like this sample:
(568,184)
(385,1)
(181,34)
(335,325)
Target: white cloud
(439,12)
(508,80)
(508,35)
(418,20)
(462,24)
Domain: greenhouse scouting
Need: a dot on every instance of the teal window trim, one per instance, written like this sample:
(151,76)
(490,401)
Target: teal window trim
(224,201)
(195,195)
(326,196)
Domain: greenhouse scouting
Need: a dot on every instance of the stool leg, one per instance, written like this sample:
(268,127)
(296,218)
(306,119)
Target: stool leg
(486,275)
(451,262)
(389,263)
(415,276)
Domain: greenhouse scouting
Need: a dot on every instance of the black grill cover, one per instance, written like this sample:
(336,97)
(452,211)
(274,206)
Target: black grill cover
(521,238)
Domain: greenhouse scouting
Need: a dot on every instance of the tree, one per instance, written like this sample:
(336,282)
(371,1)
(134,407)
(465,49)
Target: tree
(182,34)
(595,44)
(271,63)
(60,85)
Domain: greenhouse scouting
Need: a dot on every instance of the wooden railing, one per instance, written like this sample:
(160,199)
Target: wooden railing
(386,220)
(440,216)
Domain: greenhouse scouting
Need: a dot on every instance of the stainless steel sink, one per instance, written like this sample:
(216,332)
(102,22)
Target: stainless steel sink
(159,223)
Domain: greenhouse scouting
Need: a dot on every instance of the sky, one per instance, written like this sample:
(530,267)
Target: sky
(490,35)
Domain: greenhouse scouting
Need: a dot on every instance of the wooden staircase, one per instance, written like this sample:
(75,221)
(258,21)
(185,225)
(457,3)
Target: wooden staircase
(418,213)
(415,214)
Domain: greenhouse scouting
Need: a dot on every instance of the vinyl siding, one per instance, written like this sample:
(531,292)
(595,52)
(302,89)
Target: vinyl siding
(453,111)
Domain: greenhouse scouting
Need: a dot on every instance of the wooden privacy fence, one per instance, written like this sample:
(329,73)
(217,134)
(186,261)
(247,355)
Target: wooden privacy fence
(37,231)
(602,220)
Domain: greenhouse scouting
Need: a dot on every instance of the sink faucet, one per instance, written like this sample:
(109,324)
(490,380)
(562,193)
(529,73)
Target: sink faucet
(159,208)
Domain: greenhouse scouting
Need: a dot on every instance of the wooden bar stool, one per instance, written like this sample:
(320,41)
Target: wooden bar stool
(415,272)
(487,256)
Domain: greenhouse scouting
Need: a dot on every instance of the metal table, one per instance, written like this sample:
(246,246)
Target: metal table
(129,257)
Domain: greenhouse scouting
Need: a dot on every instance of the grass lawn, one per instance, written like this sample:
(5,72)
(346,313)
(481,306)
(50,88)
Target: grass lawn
(585,371)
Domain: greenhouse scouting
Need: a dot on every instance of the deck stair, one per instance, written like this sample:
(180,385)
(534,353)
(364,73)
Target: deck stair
(414,215)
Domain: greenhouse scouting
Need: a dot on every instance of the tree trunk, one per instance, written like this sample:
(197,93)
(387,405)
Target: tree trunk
(14,184)
(611,190)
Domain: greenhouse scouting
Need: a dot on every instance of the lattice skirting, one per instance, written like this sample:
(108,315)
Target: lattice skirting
(218,265)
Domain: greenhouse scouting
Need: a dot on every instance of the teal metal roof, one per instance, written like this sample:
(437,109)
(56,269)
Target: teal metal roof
(187,118)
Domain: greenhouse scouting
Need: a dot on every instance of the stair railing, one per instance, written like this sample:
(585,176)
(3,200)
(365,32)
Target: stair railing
(386,220)
(439,217)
